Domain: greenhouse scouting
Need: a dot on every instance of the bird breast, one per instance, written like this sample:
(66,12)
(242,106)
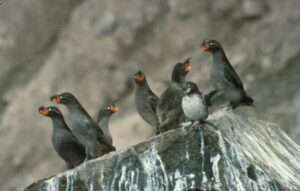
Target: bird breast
(194,108)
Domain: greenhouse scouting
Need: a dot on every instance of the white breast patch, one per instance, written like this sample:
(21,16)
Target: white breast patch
(194,108)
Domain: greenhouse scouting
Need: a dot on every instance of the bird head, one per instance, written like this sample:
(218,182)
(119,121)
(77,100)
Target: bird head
(181,69)
(109,110)
(139,77)
(64,98)
(210,45)
(50,111)
(190,88)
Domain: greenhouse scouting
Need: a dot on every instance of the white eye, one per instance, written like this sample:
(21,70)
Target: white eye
(188,90)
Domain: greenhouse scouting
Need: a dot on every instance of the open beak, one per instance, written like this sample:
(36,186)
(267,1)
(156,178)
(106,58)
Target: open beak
(139,78)
(188,67)
(204,47)
(115,109)
(43,111)
(56,99)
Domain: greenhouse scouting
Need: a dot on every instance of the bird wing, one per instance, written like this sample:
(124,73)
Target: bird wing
(169,103)
(73,151)
(152,100)
(100,134)
(232,77)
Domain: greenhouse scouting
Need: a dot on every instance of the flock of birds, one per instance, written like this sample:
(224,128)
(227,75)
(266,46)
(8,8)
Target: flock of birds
(182,100)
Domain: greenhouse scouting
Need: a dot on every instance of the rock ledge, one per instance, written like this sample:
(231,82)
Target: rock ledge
(235,153)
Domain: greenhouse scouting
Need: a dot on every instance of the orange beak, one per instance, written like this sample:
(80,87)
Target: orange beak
(139,78)
(56,99)
(43,111)
(204,47)
(188,67)
(114,109)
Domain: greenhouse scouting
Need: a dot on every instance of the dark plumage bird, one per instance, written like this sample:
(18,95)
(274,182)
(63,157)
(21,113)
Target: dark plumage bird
(224,78)
(84,127)
(194,104)
(65,143)
(169,110)
(103,119)
(145,100)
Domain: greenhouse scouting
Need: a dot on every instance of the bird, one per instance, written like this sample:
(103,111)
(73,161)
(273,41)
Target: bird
(64,142)
(169,110)
(194,103)
(103,118)
(224,78)
(146,101)
(84,127)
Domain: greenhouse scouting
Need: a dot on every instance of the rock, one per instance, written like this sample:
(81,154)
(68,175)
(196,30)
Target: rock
(232,152)
(28,31)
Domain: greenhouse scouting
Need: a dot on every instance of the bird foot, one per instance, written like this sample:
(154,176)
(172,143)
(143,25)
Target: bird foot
(226,106)
(186,124)
(196,124)
(211,124)
(86,159)
(157,132)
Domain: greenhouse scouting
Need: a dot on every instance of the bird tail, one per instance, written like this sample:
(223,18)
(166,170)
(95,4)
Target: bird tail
(208,97)
(248,101)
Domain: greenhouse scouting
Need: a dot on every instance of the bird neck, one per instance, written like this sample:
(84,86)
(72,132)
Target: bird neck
(104,124)
(75,108)
(177,77)
(143,86)
(59,123)
(219,57)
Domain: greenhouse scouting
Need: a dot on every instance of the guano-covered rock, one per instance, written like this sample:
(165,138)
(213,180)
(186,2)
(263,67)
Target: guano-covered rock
(231,153)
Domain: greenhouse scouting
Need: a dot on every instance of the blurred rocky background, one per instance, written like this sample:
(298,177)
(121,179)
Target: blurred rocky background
(92,48)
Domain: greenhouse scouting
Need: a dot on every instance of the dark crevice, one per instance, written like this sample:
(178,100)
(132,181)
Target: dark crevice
(251,172)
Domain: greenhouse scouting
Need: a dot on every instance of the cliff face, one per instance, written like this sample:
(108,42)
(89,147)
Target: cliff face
(92,47)
(232,153)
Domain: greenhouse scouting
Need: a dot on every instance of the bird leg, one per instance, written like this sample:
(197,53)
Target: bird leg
(210,124)
(163,125)
(194,123)
(226,106)
(69,166)
(87,155)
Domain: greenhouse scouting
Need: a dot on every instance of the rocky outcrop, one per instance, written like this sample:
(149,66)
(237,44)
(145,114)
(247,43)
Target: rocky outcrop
(232,152)
(92,47)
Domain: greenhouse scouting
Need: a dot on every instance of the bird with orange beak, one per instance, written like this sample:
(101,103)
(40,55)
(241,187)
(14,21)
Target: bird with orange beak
(64,142)
(146,101)
(103,118)
(84,127)
(169,110)
(224,78)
